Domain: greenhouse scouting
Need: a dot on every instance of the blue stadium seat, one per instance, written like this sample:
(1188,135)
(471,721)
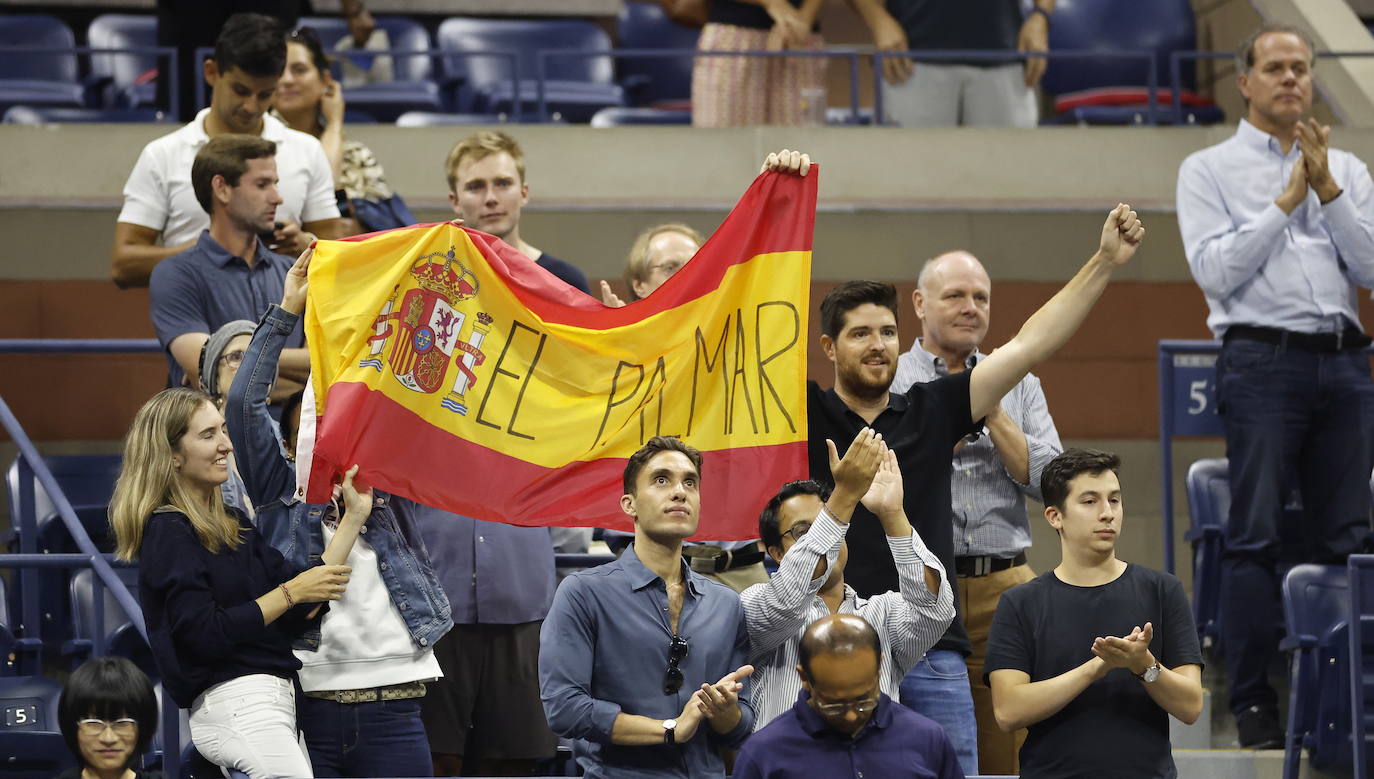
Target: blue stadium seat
(24,114)
(1316,604)
(1162,27)
(1209,503)
(128,80)
(620,117)
(38,79)
(88,482)
(659,82)
(120,637)
(414,88)
(31,747)
(1360,681)
(583,85)
(435,119)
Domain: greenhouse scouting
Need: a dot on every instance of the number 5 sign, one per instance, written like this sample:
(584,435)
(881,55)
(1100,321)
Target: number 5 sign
(1187,406)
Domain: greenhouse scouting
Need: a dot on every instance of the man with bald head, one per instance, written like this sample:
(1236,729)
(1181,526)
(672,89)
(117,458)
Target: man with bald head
(994,471)
(842,724)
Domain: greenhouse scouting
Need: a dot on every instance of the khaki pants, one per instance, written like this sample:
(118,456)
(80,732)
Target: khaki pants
(997,751)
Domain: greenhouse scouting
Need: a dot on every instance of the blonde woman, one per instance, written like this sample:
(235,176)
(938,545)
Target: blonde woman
(220,603)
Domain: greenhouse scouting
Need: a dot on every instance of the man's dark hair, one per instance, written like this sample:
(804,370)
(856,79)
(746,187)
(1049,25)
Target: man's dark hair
(838,634)
(1054,480)
(253,43)
(849,296)
(769,523)
(108,688)
(227,156)
(659,443)
(1245,53)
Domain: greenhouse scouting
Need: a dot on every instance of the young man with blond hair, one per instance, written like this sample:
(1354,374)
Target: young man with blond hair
(487,188)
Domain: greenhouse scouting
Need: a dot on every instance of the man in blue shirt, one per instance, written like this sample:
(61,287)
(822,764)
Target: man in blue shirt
(643,660)
(228,274)
(842,724)
(1279,229)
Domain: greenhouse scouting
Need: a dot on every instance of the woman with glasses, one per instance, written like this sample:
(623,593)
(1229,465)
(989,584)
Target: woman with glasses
(221,605)
(108,714)
(308,99)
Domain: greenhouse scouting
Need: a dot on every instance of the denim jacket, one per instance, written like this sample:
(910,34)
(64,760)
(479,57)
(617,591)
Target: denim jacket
(293,526)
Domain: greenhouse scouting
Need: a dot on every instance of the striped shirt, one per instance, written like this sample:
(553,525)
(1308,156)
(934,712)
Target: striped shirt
(778,613)
(989,506)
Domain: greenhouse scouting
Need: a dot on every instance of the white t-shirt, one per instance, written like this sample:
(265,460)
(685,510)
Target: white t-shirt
(364,641)
(158,194)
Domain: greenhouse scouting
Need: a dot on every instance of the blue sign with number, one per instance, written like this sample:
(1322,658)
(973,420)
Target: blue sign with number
(1194,395)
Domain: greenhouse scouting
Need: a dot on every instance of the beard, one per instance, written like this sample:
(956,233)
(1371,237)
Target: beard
(858,382)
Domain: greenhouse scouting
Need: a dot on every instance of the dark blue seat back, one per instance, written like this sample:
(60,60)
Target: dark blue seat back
(1162,26)
(1209,504)
(37,30)
(404,35)
(643,25)
(525,38)
(126,71)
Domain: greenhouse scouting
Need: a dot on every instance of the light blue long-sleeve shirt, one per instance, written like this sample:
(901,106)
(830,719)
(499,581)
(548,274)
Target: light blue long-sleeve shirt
(1259,266)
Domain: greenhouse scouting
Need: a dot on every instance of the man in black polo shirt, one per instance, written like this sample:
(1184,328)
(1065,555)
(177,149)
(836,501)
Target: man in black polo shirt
(922,425)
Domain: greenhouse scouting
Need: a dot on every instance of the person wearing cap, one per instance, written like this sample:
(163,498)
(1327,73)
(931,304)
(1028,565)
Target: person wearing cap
(229,274)
(219,362)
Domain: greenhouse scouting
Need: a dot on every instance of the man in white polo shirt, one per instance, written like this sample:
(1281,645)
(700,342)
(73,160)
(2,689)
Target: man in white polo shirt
(161,216)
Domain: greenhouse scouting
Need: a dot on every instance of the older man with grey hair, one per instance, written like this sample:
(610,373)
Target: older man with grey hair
(994,471)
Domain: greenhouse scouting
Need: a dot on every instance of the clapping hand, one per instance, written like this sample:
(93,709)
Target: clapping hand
(1131,652)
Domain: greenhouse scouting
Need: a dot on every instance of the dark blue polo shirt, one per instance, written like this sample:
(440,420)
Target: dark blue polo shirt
(206,287)
(897,742)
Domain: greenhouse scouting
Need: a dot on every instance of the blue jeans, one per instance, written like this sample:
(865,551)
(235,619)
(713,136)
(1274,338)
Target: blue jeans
(382,738)
(1291,417)
(937,688)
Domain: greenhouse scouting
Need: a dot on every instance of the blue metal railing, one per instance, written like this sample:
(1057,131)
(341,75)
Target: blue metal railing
(1150,57)
(544,55)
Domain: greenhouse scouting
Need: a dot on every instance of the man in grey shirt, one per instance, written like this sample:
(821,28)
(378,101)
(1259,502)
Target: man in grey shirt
(992,475)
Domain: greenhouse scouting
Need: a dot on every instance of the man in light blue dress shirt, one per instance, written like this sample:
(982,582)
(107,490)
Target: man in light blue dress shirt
(1279,229)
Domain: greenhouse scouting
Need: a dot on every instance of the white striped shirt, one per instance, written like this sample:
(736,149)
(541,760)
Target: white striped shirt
(778,613)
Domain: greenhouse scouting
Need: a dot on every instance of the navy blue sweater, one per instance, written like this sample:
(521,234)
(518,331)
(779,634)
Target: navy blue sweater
(203,623)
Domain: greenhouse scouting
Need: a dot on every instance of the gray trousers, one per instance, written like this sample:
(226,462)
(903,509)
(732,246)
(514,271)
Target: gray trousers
(953,95)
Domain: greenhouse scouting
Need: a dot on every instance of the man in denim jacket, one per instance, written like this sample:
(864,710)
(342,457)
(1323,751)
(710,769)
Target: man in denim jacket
(363,671)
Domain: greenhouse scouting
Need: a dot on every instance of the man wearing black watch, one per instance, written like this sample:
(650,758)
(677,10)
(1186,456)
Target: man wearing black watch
(1095,655)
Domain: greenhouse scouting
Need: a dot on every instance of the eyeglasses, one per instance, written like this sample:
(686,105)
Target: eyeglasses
(797,530)
(666,268)
(861,706)
(672,679)
(232,359)
(124,726)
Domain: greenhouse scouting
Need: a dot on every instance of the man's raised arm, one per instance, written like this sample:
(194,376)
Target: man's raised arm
(1057,320)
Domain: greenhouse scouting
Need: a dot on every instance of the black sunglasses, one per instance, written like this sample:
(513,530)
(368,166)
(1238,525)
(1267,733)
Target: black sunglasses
(672,680)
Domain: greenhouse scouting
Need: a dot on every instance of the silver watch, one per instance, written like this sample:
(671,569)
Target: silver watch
(1149,674)
(670,731)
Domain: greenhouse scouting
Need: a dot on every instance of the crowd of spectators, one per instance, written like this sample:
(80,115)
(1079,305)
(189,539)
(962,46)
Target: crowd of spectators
(903,632)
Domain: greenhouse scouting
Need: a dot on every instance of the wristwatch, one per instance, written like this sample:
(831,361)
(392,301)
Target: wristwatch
(1149,674)
(670,730)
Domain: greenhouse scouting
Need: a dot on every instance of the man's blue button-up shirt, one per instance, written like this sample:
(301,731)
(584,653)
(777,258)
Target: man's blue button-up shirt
(604,649)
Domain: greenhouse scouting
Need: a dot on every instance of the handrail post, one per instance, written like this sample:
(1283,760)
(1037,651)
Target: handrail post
(854,85)
(1152,86)
(1176,84)
(30,614)
(878,57)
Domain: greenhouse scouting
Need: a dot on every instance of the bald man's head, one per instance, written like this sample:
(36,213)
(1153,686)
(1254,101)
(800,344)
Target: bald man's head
(953,300)
(838,634)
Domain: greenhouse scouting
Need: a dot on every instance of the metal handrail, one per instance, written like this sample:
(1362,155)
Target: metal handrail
(1150,56)
(173,80)
(78,345)
(544,55)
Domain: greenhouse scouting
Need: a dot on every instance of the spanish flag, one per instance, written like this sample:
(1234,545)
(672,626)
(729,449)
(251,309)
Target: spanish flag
(459,374)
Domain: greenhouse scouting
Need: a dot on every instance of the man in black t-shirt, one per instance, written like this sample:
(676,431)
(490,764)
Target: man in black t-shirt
(922,425)
(1094,655)
(980,92)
